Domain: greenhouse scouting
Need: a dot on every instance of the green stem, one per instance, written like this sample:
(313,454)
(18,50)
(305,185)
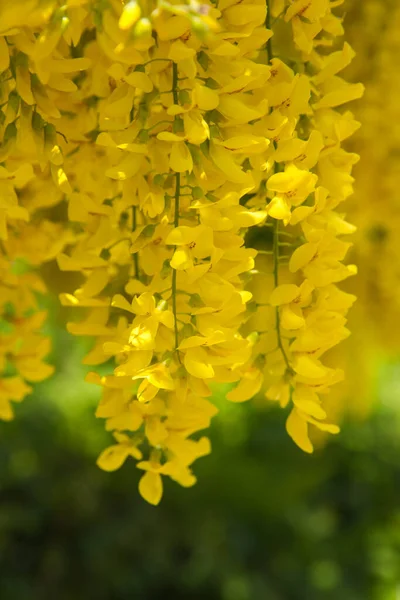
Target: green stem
(176,210)
(152,60)
(276,283)
(175,83)
(159,123)
(276,243)
(268,26)
(135,256)
(177,196)
(118,242)
(174,272)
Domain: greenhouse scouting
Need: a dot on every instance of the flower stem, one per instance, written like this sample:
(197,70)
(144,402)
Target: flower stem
(176,211)
(276,242)
(276,283)
(174,272)
(175,82)
(268,26)
(135,256)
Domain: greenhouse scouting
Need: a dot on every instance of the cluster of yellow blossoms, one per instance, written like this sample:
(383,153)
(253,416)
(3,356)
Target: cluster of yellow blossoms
(372,29)
(182,141)
(377,251)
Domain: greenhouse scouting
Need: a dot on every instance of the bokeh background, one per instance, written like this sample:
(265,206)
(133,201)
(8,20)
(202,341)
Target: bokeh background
(265,521)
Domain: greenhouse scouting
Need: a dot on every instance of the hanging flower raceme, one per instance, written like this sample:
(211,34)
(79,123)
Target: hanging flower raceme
(376,242)
(374,209)
(308,175)
(177,167)
(166,133)
(30,160)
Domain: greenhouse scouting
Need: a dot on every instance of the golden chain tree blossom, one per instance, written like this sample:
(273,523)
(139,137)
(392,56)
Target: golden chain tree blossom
(377,248)
(196,151)
(374,321)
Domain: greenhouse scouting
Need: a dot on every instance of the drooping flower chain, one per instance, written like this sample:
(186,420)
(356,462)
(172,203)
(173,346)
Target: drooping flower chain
(168,132)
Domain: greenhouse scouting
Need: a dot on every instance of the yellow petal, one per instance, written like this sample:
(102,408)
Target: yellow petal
(308,366)
(181,259)
(328,427)
(279,209)
(155,431)
(297,428)
(151,487)
(205,98)
(139,80)
(181,235)
(126,169)
(168,136)
(180,159)
(307,402)
(161,378)
(347,93)
(113,458)
(239,15)
(186,450)
(246,389)
(179,473)
(196,364)
(223,159)
(302,256)
(284,294)
(179,51)
(4,54)
(130,14)
(130,420)
(6,412)
(119,301)
(291,317)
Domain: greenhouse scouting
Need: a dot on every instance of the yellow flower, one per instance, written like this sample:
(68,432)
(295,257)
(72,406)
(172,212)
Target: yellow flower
(294,185)
(192,243)
(297,428)
(291,299)
(113,457)
(167,134)
(180,159)
(150,484)
(320,260)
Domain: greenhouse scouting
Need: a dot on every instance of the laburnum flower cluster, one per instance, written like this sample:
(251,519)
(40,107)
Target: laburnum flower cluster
(196,151)
(377,249)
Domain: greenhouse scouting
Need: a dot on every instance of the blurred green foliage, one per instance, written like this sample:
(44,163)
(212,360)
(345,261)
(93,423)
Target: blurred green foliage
(265,521)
